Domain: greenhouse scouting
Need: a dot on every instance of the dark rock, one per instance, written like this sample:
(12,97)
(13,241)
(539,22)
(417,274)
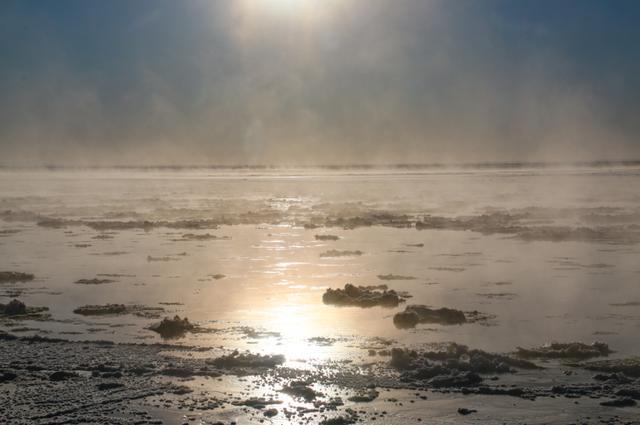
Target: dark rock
(394,277)
(12,277)
(363,296)
(632,393)
(18,310)
(573,350)
(14,308)
(104,386)
(181,390)
(336,253)
(237,359)
(414,314)
(340,420)
(513,392)
(7,376)
(613,378)
(402,359)
(62,376)
(256,403)
(365,397)
(299,390)
(201,237)
(140,371)
(619,402)
(453,365)
(327,238)
(467,379)
(178,372)
(94,281)
(269,413)
(173,328)
(629,366)
(106,368)
(99,310)
(7,336)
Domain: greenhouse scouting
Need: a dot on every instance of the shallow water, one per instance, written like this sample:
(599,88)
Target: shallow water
(536,291)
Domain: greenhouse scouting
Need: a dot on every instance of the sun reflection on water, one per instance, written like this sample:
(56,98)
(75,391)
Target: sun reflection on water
(296,326)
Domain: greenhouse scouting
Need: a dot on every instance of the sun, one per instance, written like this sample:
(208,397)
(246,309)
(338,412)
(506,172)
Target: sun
(285,4)
(287,7)
(256,19)
(290,8)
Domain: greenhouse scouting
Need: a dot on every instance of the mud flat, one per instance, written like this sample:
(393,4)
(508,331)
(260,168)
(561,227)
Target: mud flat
(528,224)
(53,381)
(44,381)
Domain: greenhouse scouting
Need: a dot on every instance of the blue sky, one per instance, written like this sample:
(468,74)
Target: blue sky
(308,81)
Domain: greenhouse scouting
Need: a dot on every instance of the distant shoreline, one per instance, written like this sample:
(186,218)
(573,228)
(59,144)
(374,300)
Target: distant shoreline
(507,165)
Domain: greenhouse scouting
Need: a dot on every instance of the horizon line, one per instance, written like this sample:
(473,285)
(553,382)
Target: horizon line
(328,166)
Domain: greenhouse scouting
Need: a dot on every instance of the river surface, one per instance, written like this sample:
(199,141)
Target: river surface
(271,274)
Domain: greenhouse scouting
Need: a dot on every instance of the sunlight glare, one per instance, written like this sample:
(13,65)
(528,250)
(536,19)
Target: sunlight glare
(305,11)
(284,4)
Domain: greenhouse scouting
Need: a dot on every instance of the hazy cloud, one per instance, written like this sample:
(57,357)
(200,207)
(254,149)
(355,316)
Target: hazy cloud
(334,81)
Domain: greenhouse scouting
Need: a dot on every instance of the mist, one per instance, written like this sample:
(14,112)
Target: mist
(326,212)
(307,83)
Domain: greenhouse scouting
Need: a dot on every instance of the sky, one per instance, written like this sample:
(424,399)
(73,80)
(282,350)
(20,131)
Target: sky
(304,82)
